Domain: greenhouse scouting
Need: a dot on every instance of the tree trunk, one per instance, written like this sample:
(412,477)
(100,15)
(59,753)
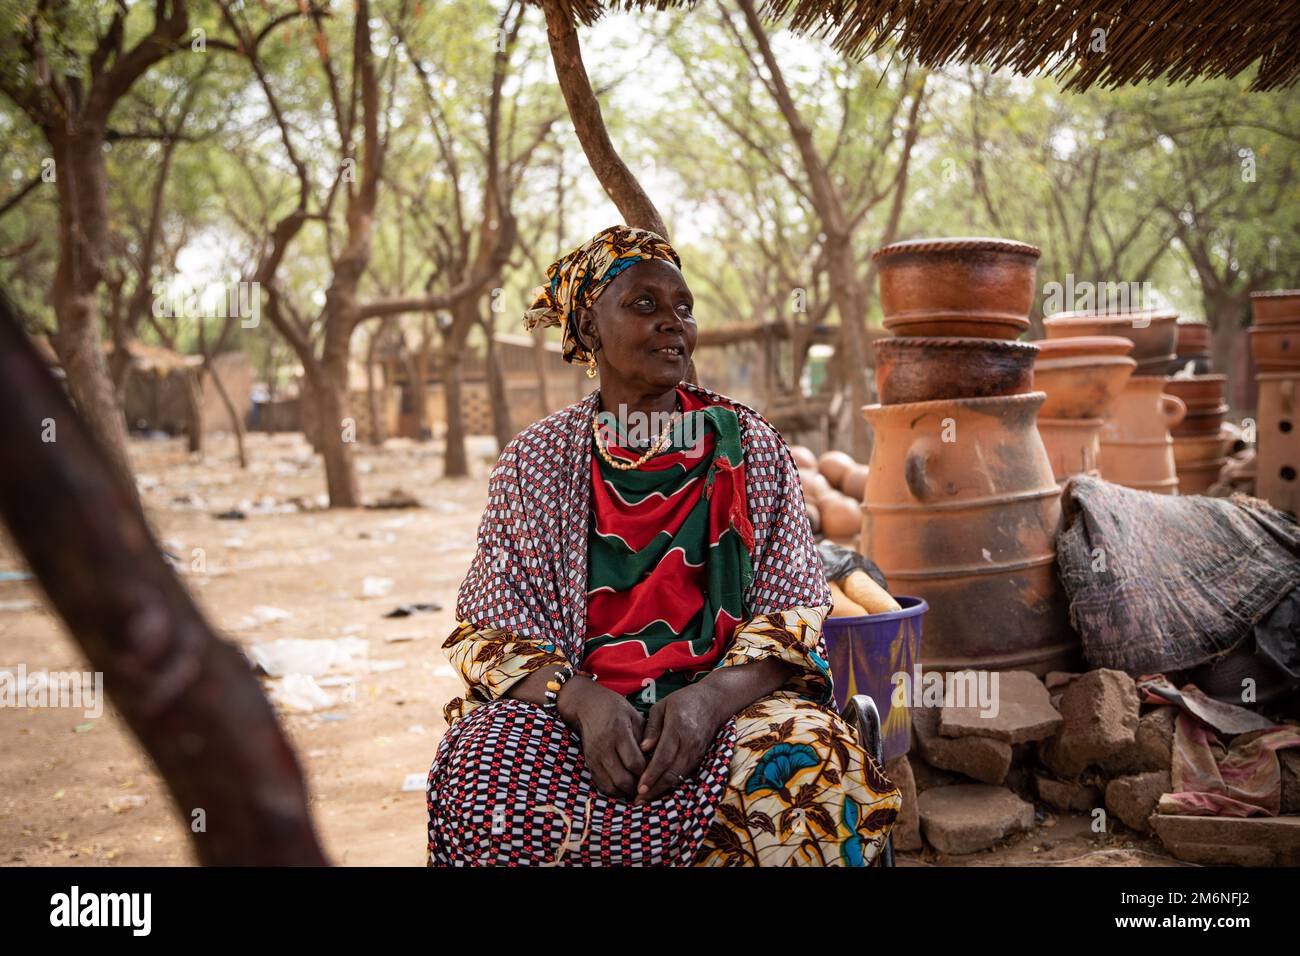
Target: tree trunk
(193,412)
(497,394)
(188,696)
(539,362)
(455,457)
(372,399)
(83,224)
(236,425)
(336,432)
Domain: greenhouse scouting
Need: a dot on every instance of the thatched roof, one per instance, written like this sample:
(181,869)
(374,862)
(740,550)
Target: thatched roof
(1169,40)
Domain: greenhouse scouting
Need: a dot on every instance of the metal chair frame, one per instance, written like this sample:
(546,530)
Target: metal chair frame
(861,713)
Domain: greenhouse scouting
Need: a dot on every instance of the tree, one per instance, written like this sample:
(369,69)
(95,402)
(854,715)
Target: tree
(67,72)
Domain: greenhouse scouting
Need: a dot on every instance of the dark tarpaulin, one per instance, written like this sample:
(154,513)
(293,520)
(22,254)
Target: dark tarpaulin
(1164,582)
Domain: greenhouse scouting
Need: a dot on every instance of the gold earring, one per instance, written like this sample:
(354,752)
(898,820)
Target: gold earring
(591,366)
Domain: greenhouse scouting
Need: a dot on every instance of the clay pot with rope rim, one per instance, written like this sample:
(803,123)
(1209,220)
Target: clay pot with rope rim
(1153,333)
(917,369)
(975,287)
(962,510)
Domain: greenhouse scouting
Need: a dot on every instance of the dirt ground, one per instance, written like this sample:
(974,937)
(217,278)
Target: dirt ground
(80,791)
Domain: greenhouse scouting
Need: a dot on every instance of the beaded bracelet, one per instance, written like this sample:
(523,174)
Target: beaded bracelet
(561,677)
(553,686)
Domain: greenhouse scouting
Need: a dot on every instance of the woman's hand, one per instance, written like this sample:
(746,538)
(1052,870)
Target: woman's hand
(609,728)
(679,730)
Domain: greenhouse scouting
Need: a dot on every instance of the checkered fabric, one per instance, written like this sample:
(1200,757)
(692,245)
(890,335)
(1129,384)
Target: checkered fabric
(510,788)
(529,573)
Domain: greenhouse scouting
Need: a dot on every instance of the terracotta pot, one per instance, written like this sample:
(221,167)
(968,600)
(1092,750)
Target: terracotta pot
(1193,339)
(815,486)
(1136,448)
(929,369)
(1196,478)
(962,286)
(962,510)
(1075,346)
(1201,393)
(834,465)
(841,517)
(1189,449)
(1073,445)
(1275,308)
(803,457)
(1083,386)
(1153,332)
(855,482)
(1204,421)
(1276,347)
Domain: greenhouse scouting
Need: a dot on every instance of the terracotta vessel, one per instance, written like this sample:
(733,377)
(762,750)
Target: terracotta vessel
(1275,308)
(978,287)
(1191,449)
(1193,339)
(1277,463)
(1073,445)
(1153,333)
(1276,347)
(1136,447)
(1081,387)
(1197,477)
(1074,346)
(928,369)
(962,510)
(1203,421)
(1199,393)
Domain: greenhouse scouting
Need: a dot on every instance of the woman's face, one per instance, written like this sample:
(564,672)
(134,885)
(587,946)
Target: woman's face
(642,327)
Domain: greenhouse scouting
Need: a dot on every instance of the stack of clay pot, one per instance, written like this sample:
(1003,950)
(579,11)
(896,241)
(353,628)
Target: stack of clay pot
(1200,442)
(1081,376)
(961,506)
(1275,341)
(1193,348)
(1135,448)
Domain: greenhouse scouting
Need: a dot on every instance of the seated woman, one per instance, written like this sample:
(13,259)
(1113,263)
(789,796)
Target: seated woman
(640,629)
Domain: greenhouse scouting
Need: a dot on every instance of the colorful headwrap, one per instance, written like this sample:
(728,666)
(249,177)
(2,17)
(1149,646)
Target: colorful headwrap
(581,276)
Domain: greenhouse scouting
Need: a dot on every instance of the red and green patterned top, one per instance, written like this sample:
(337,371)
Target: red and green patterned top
(668,554)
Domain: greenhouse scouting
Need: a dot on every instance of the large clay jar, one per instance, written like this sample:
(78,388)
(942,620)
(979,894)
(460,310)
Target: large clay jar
(1281,307)
(916,369)
(1073,445)
(1136,447)
(977,287)
(962,510)
(1153,332)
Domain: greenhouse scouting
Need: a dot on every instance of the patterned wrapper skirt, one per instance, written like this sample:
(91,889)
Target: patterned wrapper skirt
(785,783)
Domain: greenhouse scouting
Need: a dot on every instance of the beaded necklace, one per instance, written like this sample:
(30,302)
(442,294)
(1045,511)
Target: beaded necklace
(659,445)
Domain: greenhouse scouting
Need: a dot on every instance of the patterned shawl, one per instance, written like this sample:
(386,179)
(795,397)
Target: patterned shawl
(529,575)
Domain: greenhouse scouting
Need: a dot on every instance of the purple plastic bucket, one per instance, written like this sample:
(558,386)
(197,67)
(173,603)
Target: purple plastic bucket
(865,652)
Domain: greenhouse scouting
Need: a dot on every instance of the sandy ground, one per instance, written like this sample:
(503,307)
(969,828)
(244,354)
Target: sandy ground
(80,791)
